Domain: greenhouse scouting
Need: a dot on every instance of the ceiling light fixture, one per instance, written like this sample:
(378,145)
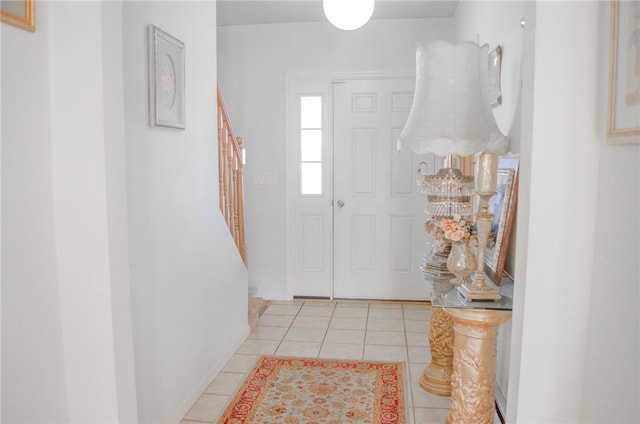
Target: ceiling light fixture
(348,14)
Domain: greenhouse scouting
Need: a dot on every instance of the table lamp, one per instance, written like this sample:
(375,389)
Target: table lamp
(451,115)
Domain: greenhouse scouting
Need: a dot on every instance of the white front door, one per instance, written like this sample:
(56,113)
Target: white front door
(358,232)
(379,236)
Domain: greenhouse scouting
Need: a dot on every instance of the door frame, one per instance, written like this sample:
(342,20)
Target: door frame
(290,156)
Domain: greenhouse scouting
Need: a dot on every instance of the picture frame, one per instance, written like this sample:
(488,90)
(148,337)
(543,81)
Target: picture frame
(503,206)
(623,118)
(166,80)
(19,13)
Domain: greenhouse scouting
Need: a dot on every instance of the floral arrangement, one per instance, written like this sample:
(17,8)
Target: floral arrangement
(452,229)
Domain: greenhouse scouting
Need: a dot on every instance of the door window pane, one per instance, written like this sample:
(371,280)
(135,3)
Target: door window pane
(310,139)
(311,145)
(311,178)
(310,112)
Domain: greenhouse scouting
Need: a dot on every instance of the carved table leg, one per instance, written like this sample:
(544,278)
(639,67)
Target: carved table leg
(474,364)
(437,375)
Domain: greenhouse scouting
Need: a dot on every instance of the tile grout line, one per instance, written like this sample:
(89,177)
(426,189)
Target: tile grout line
(288,329)
(413,404)
(366,330)
(333,311)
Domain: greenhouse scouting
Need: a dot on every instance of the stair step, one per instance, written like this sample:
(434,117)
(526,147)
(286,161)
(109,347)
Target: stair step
(257,306)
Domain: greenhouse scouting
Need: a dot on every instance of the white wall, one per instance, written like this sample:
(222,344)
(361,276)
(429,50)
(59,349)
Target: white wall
(122,291)
(253,63)
(64,82)
(562,213)
(0,224)
(188,283)
(80,210)
(32,349)
(116,192)
(612,376)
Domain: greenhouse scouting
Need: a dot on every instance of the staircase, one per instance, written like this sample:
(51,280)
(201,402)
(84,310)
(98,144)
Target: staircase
(230,168)
(257,306)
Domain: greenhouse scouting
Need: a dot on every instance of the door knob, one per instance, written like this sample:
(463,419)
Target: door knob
(340,203)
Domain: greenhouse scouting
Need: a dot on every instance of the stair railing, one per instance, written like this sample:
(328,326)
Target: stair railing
(230,166)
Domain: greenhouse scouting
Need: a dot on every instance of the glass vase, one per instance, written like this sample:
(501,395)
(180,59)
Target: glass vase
(462,260)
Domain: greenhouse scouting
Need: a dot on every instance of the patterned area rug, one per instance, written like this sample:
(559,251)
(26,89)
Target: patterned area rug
(314,391)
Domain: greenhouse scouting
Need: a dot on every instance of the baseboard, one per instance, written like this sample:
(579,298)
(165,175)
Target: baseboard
(204,382)
(272,296)
(501,404)
(311,298)
(500,414)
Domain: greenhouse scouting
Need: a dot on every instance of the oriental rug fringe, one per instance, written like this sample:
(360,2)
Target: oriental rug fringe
(329,391)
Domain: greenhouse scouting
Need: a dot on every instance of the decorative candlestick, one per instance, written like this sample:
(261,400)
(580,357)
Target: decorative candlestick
(486,182)
(487,174)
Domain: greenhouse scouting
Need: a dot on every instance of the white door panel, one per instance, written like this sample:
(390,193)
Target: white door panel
(363,235)
(379,238)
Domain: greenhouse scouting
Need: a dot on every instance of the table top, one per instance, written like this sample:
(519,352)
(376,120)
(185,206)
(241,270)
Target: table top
(445,295)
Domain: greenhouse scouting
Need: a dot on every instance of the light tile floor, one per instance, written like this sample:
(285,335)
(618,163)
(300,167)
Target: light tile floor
(384,331)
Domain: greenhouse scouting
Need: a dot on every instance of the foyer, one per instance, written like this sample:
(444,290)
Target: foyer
(123,294)
(377,331)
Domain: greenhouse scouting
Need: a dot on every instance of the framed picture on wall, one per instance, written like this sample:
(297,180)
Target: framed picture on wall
(623,121)
(502,206)
(166,80)
(19,13)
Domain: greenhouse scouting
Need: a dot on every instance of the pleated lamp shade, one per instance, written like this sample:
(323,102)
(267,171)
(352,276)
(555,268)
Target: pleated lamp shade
(451,111)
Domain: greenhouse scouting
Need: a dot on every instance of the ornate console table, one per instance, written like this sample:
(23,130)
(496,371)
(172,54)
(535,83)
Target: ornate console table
(436,377)
(475,328)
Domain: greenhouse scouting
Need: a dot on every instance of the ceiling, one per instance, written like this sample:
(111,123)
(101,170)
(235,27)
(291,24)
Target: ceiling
(250,12)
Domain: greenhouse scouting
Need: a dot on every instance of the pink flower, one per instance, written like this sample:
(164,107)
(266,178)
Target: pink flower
(455,229)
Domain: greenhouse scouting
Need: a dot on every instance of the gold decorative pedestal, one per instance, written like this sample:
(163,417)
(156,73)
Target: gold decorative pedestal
(436,378)
(474,364)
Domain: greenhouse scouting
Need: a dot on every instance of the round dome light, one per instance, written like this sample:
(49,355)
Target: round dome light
(348,14)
